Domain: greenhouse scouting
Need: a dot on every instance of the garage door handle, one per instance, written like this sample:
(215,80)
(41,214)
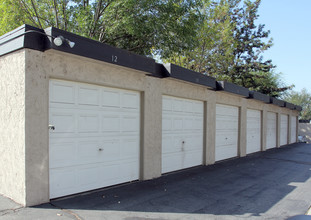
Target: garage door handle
(100,149)
(52,127)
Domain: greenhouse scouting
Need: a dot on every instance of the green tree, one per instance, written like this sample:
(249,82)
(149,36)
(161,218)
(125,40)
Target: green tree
(230,46)
(213,52)
(303,99)
(144,27)
(11,16)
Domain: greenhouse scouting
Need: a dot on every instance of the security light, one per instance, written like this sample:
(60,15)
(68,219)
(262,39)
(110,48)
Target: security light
(58,41)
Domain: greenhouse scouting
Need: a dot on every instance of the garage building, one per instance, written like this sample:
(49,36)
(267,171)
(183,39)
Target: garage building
(75,119)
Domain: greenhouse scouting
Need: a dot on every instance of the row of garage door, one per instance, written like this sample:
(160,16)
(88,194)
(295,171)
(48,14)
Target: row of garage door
(95,140)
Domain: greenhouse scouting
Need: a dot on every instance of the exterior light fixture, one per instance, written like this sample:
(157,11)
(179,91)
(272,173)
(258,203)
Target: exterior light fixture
(58,41)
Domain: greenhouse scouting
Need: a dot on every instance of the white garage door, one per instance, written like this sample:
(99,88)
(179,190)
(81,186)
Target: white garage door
(182,133)
(227,129)
(253,130)
(271,130)
(96,138)
(284,129)
(293,130)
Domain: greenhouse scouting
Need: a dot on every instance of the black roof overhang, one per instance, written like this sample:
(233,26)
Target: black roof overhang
(259,96)
(178,72)
(232,88)
(277,102)
(30,37)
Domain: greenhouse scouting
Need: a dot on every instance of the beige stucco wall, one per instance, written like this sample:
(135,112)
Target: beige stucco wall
(12,126)
(32,147)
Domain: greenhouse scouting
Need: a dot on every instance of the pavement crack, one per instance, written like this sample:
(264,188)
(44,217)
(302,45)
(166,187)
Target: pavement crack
(68,211)
(7,211)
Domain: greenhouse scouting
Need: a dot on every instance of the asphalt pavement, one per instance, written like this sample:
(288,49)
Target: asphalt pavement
(275,184)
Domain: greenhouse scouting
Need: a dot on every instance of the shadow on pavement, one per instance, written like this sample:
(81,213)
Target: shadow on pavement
(252,184)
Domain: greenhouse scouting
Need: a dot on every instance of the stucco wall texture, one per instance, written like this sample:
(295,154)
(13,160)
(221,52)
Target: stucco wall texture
(24,115)
(12,126)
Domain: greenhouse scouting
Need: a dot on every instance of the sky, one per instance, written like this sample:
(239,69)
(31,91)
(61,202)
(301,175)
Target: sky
(290,24)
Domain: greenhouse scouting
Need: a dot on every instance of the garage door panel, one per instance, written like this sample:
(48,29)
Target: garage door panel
(226,138)
(129,148)
(111,98)
(166,104)
(62,181)
(225,152)
(293,129)
(88,123)
(182,133)
(226,122)
(226,131)
(65,158)
(198,107)
(284,129)
(188,107)
(88,96)
(197,123)
(129,124)
(63,93)
(271,130)
(63,122)
(177,105)
(178,123)
(88,176)
(130,100)
(111,123)
(226,110)
(87,152)
(253,131)
(172,162)
(167,142)
(188,123)
(102,133)
(193,142)
(129,171)
(166,123)
(193,158)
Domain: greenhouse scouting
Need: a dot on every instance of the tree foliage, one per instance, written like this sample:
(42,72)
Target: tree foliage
(143,27)
(303,99)
(230,46)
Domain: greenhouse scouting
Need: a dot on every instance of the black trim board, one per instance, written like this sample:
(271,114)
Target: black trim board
(24,36)
(184,74)
(277,102)
(232,88)
(289,105)
(99,51)
(298,108)
(259,96)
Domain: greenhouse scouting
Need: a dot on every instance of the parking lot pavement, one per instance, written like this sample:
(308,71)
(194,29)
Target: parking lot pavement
(269,185)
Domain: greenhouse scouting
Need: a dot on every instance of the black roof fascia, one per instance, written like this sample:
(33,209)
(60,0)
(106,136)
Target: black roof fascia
(232,88)
(24,36)
(304,121)
(259,96)
(184,74)
(298,108)
(277,102)
(289,105)
(99,51)
(160,71)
